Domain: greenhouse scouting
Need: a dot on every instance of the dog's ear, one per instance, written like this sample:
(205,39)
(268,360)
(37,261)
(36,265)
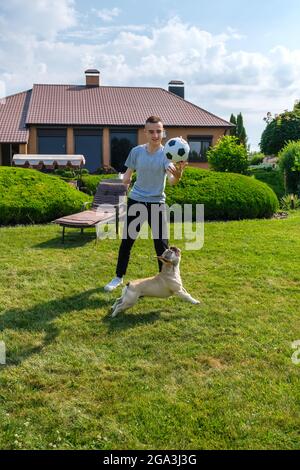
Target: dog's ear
(176,250)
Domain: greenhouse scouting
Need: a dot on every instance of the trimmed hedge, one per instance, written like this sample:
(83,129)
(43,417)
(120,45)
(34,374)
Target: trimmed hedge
(29,196)
(90,182)
(272,178)
(226,196)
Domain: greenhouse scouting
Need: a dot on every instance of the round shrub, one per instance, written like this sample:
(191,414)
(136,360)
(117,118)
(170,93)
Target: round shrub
(226,196)
(228,155)
(90,182)
(272,177)
(29,196)
(289,164)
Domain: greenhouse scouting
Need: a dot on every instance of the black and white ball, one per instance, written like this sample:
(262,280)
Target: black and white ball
(177,150)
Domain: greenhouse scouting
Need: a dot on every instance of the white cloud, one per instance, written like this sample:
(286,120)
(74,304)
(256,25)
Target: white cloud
(96,33)
(48,47)
(39,18)
(107,15)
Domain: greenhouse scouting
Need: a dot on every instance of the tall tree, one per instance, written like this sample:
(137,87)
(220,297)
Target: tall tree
(240,130)
(279,130)
(233,121)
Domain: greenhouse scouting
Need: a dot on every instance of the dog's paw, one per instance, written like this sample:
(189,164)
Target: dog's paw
(196,302)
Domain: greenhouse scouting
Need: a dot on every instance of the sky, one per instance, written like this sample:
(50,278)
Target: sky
(233,56)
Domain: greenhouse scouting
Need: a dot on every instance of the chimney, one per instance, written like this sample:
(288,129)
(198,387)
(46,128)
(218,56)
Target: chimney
(177,87)
(92,77)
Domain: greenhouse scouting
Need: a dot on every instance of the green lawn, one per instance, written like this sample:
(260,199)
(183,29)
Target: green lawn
(165,374)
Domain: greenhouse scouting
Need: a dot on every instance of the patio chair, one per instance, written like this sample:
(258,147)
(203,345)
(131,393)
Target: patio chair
(108,205)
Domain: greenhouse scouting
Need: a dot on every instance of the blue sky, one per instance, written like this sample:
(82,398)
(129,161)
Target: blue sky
(234,56)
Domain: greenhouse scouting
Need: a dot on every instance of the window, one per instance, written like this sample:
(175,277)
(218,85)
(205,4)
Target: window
(52,141)
(88,142)
(199,146)
(121,142)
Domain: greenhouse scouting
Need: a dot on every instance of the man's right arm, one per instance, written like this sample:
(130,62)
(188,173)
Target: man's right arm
(127,176)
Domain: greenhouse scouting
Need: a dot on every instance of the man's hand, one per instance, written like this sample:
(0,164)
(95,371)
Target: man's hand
(127,176)
(175,171)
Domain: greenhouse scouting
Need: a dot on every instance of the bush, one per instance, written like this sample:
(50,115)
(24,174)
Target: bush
(107,171)
(262,166)
(228,155)
(290,202)
(70,173)
(29,196)
(272,177)
(289,164)
(90,182)
(256,158)
(226,196)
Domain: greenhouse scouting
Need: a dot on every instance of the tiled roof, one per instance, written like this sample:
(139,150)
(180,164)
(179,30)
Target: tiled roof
(102,106)
(13,111)
(116,106)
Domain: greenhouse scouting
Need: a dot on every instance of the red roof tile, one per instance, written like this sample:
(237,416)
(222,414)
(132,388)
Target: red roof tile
(116,106)
(103,105)
(13,111)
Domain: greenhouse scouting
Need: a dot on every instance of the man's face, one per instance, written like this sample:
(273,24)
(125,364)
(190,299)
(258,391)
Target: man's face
(154,132)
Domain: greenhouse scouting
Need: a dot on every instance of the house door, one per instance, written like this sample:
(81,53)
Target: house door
(88,142)
(7,152)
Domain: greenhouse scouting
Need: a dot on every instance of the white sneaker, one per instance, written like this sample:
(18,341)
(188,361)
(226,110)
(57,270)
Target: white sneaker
(115,282)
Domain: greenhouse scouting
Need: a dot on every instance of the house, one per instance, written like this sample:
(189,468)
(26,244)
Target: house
(101,122)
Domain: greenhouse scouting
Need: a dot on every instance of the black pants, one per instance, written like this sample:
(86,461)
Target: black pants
(159,231)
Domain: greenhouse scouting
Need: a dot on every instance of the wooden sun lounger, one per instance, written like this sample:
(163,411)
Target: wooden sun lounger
(109,204)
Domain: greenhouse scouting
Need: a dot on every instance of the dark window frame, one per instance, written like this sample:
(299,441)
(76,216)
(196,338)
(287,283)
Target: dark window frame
(82,130)
(199,138)
(89,131)
(117,130)
(48,132)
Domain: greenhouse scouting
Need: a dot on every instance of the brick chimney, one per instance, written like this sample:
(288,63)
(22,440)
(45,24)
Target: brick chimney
(177,87)
(92,77)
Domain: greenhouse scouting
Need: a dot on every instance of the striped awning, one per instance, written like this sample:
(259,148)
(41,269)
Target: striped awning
(48,161)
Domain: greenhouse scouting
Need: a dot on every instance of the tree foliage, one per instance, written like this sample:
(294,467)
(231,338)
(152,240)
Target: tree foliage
(280,129)
(233,121)
(228,155)
(239,130)
(289,164)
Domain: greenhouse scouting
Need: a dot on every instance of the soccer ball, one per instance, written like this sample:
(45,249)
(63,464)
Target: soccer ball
(177,150)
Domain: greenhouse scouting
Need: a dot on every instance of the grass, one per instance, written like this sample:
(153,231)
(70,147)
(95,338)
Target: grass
(165,374)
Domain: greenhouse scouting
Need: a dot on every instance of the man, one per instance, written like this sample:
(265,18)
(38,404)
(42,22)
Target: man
(152,167)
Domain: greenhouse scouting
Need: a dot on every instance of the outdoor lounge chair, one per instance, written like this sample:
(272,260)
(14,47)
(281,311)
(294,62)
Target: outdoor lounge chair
(109,205)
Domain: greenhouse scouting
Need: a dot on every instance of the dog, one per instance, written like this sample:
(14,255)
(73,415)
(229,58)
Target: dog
(168,282)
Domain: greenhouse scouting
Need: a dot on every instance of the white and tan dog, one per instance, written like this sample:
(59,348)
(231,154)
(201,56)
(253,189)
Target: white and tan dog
(166,283)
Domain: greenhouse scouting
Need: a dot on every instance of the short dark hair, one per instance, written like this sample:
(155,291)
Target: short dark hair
(153,119)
